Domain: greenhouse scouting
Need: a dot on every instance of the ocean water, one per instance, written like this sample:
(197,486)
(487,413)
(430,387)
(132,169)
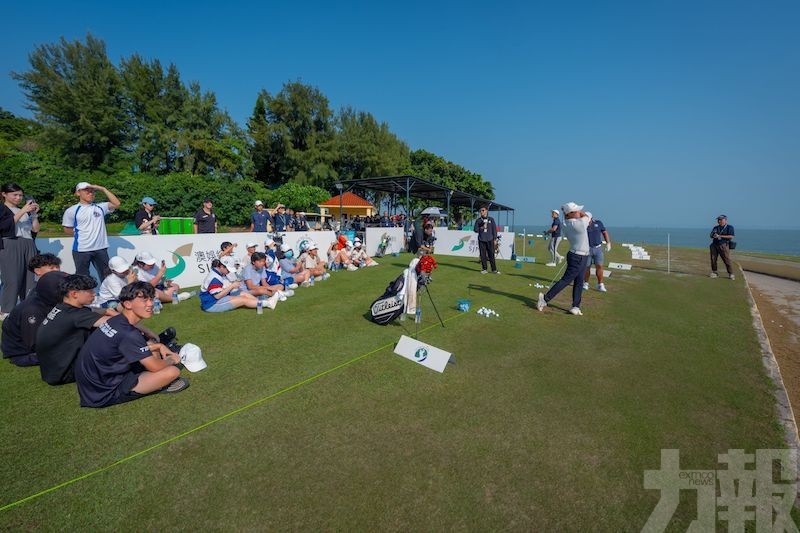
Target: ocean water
(783,241)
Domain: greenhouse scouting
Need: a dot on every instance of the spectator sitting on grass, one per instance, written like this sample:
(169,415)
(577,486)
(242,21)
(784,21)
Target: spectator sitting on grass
(311,261)
(291,268)
(233,265)
(121,275)
(166,289)
(244,260)
(41,264)
(215,292)
(66,327)
(118,364)
(339,255)
(260,282)
(24,320)
(359,256)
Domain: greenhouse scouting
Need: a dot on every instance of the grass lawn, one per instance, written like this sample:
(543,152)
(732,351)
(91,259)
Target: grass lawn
(547,421)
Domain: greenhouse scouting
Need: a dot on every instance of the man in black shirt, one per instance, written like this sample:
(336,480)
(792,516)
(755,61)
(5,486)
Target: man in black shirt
(205,220)
(486,228)
(422,240)
(722,235)
(20,327)
(65,329)
(118,364)
(145,220)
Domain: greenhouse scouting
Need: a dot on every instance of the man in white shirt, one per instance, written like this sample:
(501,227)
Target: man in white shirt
(575,224)
(85,221)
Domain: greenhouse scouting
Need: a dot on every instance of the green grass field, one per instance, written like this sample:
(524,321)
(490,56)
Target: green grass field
(546,421)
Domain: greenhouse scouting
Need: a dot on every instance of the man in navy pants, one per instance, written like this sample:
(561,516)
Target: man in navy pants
(575,224)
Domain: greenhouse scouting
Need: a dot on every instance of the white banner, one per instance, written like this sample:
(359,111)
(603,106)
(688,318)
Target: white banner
(188,256)
(465,243)
(421,353)
(374,236)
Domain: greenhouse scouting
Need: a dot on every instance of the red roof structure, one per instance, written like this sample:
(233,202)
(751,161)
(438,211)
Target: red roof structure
(349,199)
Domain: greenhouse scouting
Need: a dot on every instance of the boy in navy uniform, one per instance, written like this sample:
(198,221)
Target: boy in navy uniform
(555,238)
(260,218)
(721,237)
(118,364)
(597,233)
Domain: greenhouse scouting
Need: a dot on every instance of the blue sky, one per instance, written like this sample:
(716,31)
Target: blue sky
(651,113)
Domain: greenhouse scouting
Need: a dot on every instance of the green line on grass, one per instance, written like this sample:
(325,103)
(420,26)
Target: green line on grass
(205,425)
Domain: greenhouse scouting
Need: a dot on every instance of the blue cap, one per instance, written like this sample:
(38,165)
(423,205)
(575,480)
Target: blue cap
(148,200)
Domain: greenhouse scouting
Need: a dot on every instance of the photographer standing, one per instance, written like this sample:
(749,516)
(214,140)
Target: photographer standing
(145,220)
(722,235)
(18,247)
(486,228)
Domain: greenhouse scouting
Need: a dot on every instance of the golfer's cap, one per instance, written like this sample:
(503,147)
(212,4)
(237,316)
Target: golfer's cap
(349,244)
(118,264)
(588,214)
(251,244)
(722,216)
(357,244)
(357,239)
(146,258)
(570,207)
(311,246)
(192,357)
(278,206)
(269,242)
(229,262)
(82,185)
(285,247)
(259,202)
(148,200)
(556,211)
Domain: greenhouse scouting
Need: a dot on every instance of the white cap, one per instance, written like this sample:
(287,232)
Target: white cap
(82,185)
(269,242)
(349,244)
(285,247)
(251,244)
(118,264)
(570,207)
(556,211)
(259,202)
(192,357)
(146,258)
(588,214)
(311,246)
(357,244)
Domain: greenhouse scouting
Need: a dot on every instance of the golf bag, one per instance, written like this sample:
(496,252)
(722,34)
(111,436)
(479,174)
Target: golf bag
(382,245)
(388,306)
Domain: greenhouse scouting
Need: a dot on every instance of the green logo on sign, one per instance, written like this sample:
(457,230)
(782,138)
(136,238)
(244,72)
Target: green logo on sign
(421,354)
(461,243)
(180,265)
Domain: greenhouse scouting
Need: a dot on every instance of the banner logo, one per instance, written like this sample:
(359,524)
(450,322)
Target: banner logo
(180,264)
(421,354)
(461,242)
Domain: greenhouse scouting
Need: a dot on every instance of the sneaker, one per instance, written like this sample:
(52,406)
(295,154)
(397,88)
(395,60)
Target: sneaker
(560,258)
(184,296)
(176,386)
(731,276)
(713,275)
(576,311)
(550,264)
(281,296)
(325,276)
(292,286)
(496,272)
(483,272)
(288,293)
(586,285)
(541,304)
(271,302)
(306,283)
(601,287)
(351,267)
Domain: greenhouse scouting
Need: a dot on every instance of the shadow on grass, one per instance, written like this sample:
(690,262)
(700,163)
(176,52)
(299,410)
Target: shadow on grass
(530,302)
(505,272)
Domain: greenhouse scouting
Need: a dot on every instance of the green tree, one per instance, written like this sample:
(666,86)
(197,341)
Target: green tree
(439,170)
(74,91)
(299,197)
(367,148)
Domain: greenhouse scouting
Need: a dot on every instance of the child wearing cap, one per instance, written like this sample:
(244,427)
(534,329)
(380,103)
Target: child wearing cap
(339,254)
(260,281)
(121,275)
(147,271)
(359,256)
(291,269)
(216,292)
(313,263)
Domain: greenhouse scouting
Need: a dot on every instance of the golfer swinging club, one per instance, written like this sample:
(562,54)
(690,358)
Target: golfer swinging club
(575,224)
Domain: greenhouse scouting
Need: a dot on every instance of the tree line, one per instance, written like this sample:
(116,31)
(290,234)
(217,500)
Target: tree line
(138,127)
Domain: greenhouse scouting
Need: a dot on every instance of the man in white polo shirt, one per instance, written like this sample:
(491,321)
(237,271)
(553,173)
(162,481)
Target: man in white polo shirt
(85,221)
(575,224)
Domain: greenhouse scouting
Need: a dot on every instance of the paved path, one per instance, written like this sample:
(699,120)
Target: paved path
(782,293)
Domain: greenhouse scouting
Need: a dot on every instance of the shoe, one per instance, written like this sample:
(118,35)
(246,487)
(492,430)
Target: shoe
(306,283)
(731,276)
(601,287)
(325,276)
(292,286)
(184,296)
(586,285)
(373,264)
(550,264)
(541,304)
(576,311)
(351,267)
(483,272)
(281,296)
(713,275)
(496,272)
(176,386)
(560,258)
(272,301)
(288,293)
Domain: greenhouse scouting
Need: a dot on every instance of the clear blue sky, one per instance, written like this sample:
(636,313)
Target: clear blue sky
(651,113)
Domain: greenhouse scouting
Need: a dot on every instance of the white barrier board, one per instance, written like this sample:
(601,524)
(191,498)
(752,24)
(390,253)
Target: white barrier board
(465,243)
(375,235)
(189,256)
(619,266)
(422,353)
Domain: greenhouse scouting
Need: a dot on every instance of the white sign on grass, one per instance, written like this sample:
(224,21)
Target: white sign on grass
(422,353)
(619,266)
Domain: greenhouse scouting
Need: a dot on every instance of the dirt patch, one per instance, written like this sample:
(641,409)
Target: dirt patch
(778,301)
